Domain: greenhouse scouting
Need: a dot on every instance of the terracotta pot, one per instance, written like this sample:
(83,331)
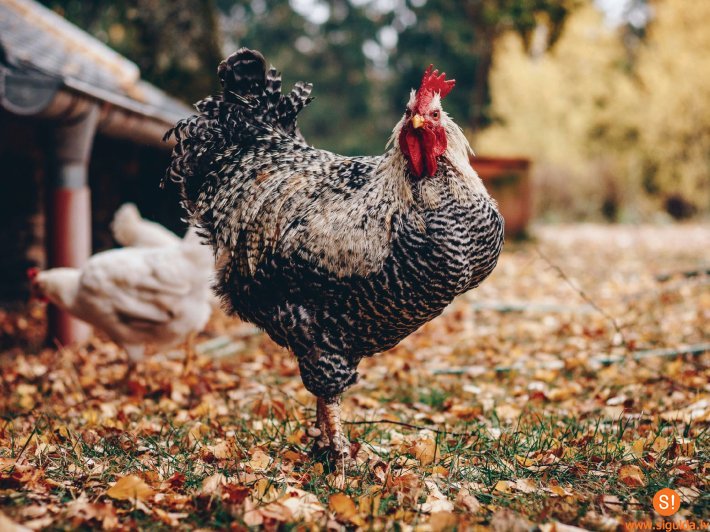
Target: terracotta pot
(508,181)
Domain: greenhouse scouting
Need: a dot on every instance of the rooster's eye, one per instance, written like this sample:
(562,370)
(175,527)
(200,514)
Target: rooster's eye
(435,115)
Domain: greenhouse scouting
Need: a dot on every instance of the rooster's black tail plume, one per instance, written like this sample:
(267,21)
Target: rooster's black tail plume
(251,104)
(242,74)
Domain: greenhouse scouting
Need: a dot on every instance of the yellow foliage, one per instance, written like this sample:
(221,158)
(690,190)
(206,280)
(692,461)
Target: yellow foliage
(674,111)
(600,131)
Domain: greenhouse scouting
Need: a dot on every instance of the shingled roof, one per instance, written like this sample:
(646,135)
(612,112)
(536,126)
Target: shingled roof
(45,51)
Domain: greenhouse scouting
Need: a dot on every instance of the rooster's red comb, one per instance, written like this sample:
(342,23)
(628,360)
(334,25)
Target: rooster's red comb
(434,82)
(32,273)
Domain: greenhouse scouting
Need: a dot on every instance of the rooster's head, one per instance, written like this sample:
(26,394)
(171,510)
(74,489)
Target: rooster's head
(422,138)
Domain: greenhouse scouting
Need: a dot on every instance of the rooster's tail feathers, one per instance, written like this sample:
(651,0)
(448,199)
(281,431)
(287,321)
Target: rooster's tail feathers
(251,104)
(256,91)
(242,74)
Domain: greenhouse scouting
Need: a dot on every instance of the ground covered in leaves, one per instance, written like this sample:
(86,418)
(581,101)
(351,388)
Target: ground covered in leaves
(564,392)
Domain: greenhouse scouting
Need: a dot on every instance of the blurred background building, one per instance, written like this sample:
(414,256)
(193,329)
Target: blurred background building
(80,133)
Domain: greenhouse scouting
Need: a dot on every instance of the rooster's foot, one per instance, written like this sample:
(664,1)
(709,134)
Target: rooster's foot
(320,450)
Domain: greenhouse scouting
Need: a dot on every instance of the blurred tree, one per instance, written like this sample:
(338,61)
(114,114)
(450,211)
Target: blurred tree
(321,43)
(348,48)
(174,42)
(612,133)
(672,106)
(549,106)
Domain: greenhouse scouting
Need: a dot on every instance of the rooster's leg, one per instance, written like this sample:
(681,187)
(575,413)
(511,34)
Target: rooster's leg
(322,440)
(339,443)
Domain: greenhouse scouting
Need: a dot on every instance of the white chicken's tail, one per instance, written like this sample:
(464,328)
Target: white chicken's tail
(130,229)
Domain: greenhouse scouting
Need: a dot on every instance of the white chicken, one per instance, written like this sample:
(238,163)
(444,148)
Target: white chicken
(130,229)
(137,296)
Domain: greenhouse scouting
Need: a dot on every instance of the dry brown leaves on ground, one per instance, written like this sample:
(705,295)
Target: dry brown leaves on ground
(535,399)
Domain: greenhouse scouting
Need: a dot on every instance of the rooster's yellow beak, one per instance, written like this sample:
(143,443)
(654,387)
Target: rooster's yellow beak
(417,121)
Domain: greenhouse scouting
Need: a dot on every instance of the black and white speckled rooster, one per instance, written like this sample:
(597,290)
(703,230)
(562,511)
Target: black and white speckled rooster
(336,258)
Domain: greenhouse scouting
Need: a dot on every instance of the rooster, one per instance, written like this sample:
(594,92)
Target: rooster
(336,258)
(137,296)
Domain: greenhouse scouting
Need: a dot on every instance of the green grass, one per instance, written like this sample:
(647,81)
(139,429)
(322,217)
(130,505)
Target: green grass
(473,457)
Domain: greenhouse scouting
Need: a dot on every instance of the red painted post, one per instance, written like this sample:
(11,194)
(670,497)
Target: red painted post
(69,220)
(70,245)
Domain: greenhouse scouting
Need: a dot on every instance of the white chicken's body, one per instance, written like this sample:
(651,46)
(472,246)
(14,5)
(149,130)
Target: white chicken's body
(137,296)
(130,229)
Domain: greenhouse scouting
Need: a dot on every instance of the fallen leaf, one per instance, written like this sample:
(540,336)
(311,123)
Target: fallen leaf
(508,412)
(8,525)
(213,484)
(686,446)
(407,486)
(169,518)
(39,523)
(297,437)
(223,450)
(436,501)
(303,506)
(526,461)
(369,504)
(252,516)
(343,506)
(234,493)
(632,475)
(467,501)
(259,459)
(130,487)
(440,521)
(197,433)
(505,520)
(637,447)
(660,444)
(425,450)
(503,486)
(524,485)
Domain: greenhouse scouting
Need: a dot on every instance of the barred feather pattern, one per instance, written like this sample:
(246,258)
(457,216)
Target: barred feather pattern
(336,258)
